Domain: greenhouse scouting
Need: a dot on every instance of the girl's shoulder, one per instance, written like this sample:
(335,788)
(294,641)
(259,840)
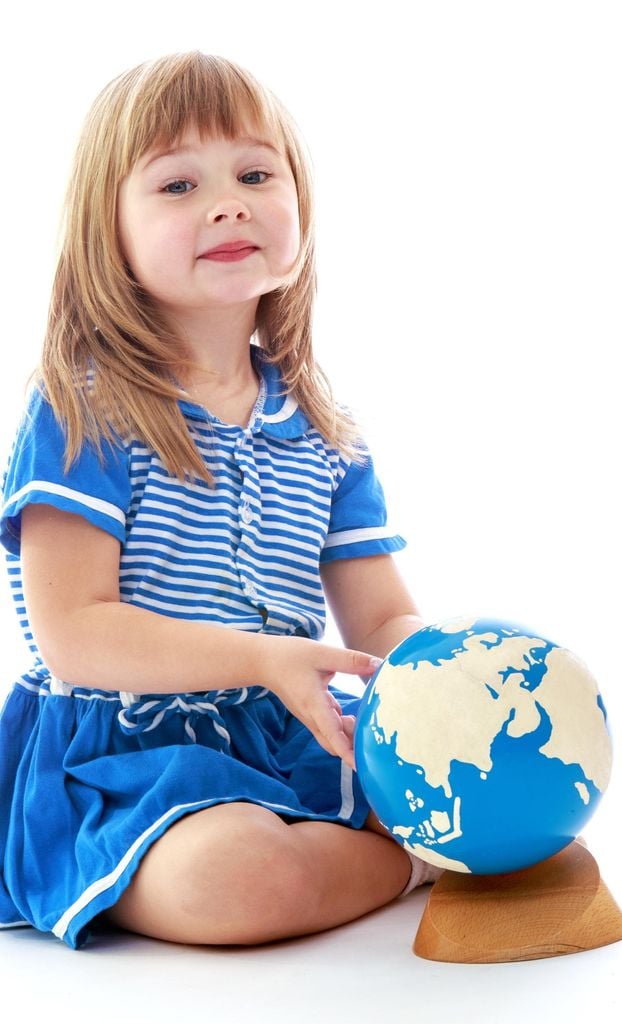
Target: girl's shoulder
(95,485)
(41,426)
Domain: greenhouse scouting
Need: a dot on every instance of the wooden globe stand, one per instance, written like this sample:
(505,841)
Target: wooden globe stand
(558,906)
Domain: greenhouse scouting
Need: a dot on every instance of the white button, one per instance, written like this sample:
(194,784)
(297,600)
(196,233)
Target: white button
(251,590)
(247,514)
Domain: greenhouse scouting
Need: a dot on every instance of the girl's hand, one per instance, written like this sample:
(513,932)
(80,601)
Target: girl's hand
(298,671)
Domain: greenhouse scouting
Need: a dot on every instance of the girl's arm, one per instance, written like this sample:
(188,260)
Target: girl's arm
(87,636)
(370,603)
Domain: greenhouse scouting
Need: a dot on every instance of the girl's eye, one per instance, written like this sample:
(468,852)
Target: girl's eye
(266,175)
(177,187)
(181,186)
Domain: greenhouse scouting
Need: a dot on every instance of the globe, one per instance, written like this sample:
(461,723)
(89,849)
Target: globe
(482,746)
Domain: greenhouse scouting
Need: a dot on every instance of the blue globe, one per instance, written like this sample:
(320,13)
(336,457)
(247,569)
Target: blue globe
(481,746)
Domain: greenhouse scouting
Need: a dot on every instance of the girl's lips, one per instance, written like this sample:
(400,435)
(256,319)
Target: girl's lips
(228,257)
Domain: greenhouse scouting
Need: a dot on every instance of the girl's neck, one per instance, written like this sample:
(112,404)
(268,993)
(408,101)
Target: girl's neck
(226,384)
(219,343)
(222,378)
(231,404)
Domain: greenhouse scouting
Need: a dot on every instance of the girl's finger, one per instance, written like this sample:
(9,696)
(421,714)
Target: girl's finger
(355,663)
(348,723)
(333,735)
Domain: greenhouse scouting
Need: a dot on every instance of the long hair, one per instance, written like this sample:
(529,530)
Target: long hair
(110,361)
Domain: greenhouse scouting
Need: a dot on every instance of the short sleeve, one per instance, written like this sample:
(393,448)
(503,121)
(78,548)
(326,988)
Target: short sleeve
(96,488)
(358,521)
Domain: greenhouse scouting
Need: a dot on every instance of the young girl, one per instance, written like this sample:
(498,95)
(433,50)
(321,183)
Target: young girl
(177,503)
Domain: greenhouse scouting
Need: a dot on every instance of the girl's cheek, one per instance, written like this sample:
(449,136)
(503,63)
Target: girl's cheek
(284,220)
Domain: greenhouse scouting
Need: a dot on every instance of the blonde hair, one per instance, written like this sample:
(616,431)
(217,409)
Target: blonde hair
(103,326)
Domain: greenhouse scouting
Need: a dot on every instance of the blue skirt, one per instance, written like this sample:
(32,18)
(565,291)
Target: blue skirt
(89,780)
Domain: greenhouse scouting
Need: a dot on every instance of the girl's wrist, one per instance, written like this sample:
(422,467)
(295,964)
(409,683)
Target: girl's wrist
(263,658)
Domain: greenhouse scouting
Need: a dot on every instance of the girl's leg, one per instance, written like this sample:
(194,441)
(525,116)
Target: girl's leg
(237,874)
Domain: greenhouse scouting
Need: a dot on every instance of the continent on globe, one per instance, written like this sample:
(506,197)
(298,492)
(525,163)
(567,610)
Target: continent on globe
(482,746)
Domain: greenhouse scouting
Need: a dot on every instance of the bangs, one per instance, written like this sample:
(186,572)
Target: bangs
(194,91)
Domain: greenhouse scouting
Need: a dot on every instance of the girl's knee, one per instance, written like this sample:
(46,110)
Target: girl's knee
(252,878)
(234,874)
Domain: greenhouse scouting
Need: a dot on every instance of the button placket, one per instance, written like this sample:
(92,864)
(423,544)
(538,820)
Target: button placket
(243,454)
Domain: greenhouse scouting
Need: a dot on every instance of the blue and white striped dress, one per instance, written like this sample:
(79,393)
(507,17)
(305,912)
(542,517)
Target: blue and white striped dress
(89,778)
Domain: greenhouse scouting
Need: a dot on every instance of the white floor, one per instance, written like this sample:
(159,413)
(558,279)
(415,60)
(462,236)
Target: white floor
(361,972)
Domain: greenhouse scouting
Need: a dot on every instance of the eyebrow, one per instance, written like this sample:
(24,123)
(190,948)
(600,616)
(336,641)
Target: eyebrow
(248,141)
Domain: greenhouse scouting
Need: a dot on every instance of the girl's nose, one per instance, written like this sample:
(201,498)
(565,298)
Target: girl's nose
(229,208)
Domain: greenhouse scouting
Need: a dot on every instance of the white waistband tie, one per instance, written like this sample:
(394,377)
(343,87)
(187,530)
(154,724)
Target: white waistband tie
(146,715)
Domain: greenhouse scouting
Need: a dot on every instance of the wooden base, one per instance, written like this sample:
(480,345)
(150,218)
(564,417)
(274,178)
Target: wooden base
(556,907)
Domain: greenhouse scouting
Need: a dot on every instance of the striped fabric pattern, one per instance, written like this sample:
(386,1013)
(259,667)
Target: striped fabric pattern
(245,553)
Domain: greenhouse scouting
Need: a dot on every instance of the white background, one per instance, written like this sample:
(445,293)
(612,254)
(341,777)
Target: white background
(468,160)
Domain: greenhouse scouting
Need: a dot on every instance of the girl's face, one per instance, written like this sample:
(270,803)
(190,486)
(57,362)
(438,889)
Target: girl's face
(175,206)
